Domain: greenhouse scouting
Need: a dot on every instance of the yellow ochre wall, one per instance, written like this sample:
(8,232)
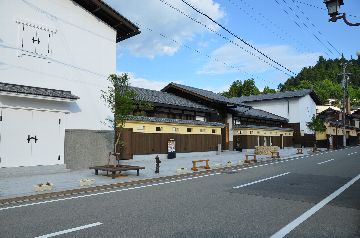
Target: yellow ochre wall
(332,131)
(261,132)
(150,127)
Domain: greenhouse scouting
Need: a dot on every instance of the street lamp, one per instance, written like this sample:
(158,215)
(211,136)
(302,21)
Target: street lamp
(333,7)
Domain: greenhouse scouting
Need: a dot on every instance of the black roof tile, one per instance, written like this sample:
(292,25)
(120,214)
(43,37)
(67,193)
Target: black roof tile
(37,91)
(154,96)
(274,96)
(258,113)
(201,92)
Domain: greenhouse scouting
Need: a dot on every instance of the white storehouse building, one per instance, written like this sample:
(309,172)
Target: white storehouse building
(296,106)
(55,57)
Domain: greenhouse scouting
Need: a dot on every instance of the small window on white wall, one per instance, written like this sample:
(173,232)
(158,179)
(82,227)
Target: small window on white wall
(35,40)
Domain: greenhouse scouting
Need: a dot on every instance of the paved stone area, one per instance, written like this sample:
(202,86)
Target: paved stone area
(16,185)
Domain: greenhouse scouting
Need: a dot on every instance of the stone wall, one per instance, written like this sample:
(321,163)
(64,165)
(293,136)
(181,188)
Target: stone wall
(265,150)
(85,148)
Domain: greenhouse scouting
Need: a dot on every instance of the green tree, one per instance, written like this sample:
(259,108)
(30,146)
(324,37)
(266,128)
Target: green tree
(120,98)
(249,88)
(268,90)
(234,90)
(316,125)
(324,78)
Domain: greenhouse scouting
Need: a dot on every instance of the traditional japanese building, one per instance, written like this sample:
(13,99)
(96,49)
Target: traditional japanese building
(245,126)
(298,107)
(335,128)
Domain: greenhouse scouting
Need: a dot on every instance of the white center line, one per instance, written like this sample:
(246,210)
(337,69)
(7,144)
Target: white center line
(261,180)
(291,226)
(70,230)
(326,161)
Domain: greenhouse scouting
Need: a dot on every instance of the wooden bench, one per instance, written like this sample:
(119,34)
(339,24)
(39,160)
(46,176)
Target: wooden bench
(275,154)
(195,167)
(247,158)
(299,151)
(114,169)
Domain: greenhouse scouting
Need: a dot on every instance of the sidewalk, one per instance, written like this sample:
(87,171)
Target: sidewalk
(23,185)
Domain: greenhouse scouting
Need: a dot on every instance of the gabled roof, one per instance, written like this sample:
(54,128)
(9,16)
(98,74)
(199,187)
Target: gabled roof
(164,98)
(173,121)
(257,113)
(204,94)
(8,89)
(276,96)
(124,28)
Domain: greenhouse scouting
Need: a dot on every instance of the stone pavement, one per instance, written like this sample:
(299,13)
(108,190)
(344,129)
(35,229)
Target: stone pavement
(16,186)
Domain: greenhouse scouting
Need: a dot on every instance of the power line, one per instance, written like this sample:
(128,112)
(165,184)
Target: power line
(321,8)
(236,36)
(302,24)
(224,37)
(315,27)
(202,53)
(275,26)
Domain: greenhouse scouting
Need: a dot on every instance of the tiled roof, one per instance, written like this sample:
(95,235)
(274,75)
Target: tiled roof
(173,121)
(257,113)
(274,96)
(153,96)
(201,92)
(36,91)
(262,127)
(99,8)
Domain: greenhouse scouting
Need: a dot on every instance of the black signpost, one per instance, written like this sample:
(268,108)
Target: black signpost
(171,149)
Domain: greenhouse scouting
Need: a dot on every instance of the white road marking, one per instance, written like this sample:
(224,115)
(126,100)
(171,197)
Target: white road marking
(124,189)
(261,180)
(326,161)
(70,230)
(291,226)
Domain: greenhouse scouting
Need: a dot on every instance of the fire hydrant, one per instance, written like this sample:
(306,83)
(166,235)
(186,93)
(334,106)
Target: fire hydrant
(157,161)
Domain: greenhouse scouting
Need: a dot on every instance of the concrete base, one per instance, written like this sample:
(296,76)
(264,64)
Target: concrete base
(231,145)
(32,170)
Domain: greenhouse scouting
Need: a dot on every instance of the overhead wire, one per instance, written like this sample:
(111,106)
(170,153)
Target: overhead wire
(224,37)
(275,26)
(321,8)
(299,25)
(314,26)
(204,54)
(236,36)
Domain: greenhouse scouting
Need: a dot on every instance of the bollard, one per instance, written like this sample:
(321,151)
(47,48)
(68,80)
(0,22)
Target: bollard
(157,166)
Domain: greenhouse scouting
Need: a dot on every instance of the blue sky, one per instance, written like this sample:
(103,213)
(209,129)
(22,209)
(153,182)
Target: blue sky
(201,58)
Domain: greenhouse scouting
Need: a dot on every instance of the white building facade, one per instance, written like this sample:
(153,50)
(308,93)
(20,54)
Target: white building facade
(55,57)
(296,106)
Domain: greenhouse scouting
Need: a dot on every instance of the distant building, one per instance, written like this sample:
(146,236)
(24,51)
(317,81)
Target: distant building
(245,126)
(55,57)
(334,127)
(298,107)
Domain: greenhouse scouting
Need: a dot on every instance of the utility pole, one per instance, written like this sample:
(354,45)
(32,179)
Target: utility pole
(345,88)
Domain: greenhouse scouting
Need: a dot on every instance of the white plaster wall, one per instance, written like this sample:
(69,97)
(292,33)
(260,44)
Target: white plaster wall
(84,54)
(300,110)
(307,109)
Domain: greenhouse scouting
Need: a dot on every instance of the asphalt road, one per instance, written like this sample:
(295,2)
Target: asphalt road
(316,196)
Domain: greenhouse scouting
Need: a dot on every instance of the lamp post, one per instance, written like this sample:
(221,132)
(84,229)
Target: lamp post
(333,7)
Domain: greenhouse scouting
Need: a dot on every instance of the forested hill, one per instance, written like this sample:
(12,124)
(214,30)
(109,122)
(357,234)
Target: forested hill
(325,80)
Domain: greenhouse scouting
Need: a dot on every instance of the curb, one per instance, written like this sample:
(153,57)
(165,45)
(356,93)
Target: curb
(77,191)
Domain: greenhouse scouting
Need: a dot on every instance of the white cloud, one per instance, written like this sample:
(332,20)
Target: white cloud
(162,19)
(233,55)
(145,83)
